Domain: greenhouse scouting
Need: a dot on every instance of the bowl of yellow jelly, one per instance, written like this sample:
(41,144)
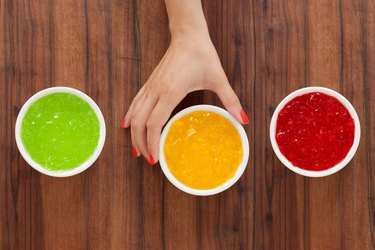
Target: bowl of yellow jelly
(60,131)
(203,150)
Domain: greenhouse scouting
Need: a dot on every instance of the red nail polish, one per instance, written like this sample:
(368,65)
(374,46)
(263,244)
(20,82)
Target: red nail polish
(244,117)
(148,161)
(123,123)
(134,152)
(152,161)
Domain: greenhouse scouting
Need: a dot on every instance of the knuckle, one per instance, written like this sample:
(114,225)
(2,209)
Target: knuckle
(135,122)
(146,86)
(152,123)
(167,89)
(136,98)
(233,100)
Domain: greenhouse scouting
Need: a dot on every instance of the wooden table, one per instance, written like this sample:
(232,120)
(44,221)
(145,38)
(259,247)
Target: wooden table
(109,48)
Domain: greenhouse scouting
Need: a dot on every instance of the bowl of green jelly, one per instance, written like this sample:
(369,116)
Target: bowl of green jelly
(60,131)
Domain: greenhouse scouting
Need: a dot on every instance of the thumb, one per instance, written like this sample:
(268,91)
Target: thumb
(230,100)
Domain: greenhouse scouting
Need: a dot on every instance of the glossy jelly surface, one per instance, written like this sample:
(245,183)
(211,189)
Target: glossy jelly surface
(60,131)
(314,131)
(203,150)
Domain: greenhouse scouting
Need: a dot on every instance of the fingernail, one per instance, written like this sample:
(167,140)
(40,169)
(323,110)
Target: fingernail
(244,117)
(152,161)
(134,152)
(148,161)
(123,123)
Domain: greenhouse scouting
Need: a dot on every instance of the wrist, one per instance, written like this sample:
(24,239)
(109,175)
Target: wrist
(189,32)
(186,19)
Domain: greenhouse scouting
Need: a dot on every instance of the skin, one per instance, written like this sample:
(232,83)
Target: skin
(191,63)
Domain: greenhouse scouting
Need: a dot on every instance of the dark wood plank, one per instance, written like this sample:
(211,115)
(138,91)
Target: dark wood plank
(109,48)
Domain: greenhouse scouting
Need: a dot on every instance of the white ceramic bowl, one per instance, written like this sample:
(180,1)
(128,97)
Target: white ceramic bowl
(337,167)
(241,167)
(26,155)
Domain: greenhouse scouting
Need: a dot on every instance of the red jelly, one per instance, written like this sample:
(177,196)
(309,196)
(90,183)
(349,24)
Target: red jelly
(314,131)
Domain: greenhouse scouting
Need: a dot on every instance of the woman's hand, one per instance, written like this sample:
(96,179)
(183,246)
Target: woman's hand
(190,63)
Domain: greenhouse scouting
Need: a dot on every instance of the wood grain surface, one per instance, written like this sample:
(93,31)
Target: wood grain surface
(108,48)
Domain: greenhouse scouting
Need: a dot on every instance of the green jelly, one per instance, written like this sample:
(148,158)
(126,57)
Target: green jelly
(60,131)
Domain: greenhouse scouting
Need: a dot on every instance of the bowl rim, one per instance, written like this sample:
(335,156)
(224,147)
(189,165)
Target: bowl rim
(25,154)
(347,105)
(241,167)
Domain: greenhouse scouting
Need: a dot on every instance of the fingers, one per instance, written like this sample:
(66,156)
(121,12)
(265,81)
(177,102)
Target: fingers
(139,117)
(158,118)
(230,100)
(147,115)
(136,153)
(125,123)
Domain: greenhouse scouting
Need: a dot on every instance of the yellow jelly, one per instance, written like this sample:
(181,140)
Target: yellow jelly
(203,150)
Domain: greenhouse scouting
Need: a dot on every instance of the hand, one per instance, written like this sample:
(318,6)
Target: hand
(188,65)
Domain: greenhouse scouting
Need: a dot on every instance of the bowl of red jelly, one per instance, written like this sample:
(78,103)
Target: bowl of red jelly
(315,131)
